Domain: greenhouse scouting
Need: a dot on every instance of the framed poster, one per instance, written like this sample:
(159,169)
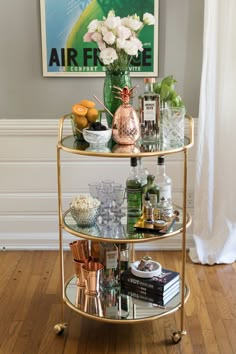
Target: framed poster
(64,24)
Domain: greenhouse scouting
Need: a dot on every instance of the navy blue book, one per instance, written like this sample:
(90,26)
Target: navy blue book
(152,297)
(159,284)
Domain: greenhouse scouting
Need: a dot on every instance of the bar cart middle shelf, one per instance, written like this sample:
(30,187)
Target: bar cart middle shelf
(134,310)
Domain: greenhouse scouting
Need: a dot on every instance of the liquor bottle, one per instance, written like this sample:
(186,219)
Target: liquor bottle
(149,105)
(109,257)
(163,182)
(142,171)
(134,190)
(147,209)
(124,258)
(152,189)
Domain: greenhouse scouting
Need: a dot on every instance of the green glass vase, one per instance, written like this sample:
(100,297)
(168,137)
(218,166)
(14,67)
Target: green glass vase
(114,78)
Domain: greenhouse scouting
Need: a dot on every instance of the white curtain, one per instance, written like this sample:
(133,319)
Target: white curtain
(214,225)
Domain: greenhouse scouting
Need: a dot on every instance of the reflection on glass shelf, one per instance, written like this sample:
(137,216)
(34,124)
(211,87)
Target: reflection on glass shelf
(112,304)
(112,148)
(124,229)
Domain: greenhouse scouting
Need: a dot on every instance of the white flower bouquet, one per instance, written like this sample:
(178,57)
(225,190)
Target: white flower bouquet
(117,38)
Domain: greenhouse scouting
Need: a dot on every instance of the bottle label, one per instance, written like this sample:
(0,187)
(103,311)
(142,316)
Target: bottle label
(134,200)
(153,198)
(111,259)
(149,110)
(165,192)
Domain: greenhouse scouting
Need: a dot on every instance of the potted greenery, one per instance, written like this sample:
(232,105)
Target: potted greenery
(168,95)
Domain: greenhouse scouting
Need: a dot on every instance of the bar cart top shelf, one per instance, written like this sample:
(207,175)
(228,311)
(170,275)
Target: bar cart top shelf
(70,144)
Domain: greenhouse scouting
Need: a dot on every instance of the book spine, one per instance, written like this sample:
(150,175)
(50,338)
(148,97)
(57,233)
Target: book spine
(139,282)
(149,292)
(143,297)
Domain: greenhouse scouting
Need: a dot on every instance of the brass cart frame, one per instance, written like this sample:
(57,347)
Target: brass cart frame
(66,144)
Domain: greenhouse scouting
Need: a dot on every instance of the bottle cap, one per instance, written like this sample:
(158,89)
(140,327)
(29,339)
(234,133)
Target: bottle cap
(150,80)
(133,161)
(161,160)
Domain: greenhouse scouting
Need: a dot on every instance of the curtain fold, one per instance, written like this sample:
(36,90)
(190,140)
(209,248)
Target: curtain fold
(214,225)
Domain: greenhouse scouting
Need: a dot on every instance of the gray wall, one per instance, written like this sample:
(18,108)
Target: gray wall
(25,93)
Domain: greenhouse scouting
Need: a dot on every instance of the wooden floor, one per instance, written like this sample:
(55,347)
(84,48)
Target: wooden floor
(30,306)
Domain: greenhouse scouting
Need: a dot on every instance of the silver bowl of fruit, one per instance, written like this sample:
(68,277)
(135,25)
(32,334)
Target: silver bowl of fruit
(97,134)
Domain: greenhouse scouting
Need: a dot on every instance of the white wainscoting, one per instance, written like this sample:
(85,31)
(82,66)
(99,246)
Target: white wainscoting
(28,188)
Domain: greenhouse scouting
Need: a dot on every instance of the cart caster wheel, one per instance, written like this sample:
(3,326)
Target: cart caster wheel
(59,328)
(176,338)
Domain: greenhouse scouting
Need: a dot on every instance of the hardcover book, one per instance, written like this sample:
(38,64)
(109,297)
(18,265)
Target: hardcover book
(155,284)
(151,296)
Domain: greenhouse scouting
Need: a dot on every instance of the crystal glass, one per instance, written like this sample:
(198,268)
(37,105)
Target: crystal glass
(94,189)
(172,127)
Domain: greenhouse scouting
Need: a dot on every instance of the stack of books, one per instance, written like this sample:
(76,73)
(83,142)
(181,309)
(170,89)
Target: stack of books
(158,290)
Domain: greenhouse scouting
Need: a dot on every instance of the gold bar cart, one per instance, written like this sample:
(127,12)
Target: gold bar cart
(66,223)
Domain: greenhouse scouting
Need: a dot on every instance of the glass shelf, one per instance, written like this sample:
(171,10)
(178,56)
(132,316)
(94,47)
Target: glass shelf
(113,306)
(70,144)
(111,235)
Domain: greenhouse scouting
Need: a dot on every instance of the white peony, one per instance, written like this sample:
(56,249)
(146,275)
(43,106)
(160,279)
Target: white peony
(148,19)
(133,23)
(88,37)
(108,56)
(123,32)
(112,21)
(120,43)
(117,38)
(93,26)
(137,42)
(131,48)
(96,37)
(109,37)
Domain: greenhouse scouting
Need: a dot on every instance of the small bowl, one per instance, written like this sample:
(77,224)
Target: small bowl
(84,217)
(97,137)
(146,274)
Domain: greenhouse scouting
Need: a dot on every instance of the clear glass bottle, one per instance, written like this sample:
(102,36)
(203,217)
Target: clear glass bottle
(164,182)
(149,105)
(142,171)
(109,259)
(134,190)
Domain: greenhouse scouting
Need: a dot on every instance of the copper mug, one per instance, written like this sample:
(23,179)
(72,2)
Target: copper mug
(92,274)
(79,273)
(80,250)
(92,305)
(80,297)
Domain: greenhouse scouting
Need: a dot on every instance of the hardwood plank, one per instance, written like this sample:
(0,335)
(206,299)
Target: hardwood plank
(31,305)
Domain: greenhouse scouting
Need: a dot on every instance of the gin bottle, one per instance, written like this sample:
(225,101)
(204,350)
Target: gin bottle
(150,112)
(163,181)
(134,190)
(142,171)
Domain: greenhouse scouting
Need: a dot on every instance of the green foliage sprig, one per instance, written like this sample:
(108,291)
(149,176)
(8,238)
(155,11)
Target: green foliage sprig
(166,90)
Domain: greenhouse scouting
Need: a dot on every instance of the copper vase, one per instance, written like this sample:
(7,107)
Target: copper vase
(125,125)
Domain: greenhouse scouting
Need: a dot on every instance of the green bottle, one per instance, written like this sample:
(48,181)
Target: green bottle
(134,190)
(151,188)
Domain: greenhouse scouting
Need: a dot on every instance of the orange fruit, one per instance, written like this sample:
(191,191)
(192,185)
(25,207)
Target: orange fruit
(79,109)
(87,103)
(92,115)
(81,122)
